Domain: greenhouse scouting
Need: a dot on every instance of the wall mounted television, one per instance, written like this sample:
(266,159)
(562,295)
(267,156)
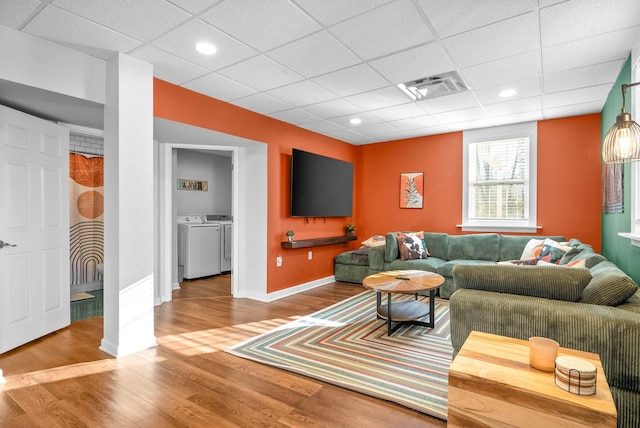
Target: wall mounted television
(320,186)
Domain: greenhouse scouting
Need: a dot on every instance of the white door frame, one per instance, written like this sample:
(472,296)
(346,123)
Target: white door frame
(249,210)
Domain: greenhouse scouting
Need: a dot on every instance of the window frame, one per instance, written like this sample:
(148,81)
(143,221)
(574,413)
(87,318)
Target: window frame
(634,234)
(521,130)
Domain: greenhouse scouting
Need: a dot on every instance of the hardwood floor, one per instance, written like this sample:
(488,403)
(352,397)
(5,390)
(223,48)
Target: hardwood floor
(64,380)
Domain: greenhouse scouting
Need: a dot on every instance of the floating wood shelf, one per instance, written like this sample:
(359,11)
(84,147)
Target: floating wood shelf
(318,241)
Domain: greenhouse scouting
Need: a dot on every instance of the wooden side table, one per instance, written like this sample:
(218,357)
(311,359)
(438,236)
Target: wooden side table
(492,384)
(406,282)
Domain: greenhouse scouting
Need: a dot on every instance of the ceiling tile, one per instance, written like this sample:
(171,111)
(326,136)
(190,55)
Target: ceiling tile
(262,103)
(500,40)
(366,118)
(380,98)
(13,14)
(525,88)
(403,111)
(169,67)
(461,100)
(302,93)
(462,115)
(322,126)
(514,106)
(351,81)
(182,41)
(577,96)
(194,6)
(263,25)
(62,27)
(295,116)
(459,16)
(217,86)
(388,29)
(336,11)
(522,66)
(429,130)
(582,77)
(423,61)
(141,20)
(469,124)
(333,108)
(529,116)
(261,73)
(314,55)
(587,18)
(414,123)
(593,50)
(351,136)
(574,110)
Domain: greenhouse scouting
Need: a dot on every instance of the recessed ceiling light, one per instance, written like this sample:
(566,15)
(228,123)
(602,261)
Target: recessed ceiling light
(355,121)
(508,93)
(206,48)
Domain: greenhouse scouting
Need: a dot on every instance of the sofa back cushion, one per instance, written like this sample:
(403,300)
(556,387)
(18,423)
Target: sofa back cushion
(549,282)
(511,246)
(609,286)
(481,246)
(391,251)
(437,244)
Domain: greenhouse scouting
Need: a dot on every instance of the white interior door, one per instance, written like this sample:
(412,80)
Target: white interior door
(34,220)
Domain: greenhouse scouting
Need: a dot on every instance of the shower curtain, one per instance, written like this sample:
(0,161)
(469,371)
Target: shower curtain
(86,208)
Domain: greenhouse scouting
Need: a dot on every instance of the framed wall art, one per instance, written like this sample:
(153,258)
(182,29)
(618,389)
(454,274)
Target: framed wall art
(411,189)
(184,184)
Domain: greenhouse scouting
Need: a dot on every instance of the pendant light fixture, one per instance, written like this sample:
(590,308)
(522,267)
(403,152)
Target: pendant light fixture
(622,142)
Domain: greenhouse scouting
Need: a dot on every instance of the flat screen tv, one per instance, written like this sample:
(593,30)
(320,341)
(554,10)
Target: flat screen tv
(320,186)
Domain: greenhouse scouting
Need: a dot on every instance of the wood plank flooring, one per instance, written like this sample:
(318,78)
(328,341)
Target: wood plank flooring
(64,380)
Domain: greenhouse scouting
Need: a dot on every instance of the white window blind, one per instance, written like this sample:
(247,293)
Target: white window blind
(499,181)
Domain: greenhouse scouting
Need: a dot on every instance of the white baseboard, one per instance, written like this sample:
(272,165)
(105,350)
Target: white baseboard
(276,295)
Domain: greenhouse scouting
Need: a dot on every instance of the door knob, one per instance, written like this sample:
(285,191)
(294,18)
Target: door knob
(6,244)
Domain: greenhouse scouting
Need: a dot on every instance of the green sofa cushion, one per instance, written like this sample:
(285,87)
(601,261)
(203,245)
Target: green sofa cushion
(511,246)
(609,286)
(391,251)
(550,282)
(429,264)
(437,244)
(484,246)
(355,257)
(446,269)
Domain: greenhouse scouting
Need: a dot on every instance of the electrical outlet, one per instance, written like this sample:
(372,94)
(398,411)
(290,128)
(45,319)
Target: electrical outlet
(279,261)
(310,255)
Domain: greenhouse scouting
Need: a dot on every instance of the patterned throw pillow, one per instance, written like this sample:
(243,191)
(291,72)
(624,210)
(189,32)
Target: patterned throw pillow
(551,254)
(411,246)
(374,241)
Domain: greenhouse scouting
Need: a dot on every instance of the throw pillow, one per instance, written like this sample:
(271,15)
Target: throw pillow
(573,264)
(374,241)
(532,249)
(551,254)
(411,246)
(610,286)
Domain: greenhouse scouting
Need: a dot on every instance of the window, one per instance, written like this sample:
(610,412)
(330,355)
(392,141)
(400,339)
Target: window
(499,180)
(634,234)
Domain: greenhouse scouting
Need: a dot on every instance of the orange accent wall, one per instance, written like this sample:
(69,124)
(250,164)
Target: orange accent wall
(568,181)
(182,105)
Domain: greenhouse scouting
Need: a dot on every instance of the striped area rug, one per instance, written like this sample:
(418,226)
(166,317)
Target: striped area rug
(346,345)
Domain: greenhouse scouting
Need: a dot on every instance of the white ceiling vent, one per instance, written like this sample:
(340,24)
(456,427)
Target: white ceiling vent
(434,86)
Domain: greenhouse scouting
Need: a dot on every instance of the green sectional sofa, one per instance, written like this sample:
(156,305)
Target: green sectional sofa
(594,309)
(446,251)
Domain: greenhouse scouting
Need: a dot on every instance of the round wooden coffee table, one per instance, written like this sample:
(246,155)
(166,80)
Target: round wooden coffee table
(407,312)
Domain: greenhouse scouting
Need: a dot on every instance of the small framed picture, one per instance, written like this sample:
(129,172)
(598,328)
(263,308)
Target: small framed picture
(411,189)
(184,184)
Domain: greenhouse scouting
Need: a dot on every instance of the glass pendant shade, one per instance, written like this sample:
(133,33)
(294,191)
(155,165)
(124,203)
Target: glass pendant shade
(622,142)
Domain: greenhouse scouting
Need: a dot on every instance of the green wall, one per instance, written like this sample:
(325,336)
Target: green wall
(615,248)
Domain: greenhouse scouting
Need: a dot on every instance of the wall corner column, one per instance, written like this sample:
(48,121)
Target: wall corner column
(128,237)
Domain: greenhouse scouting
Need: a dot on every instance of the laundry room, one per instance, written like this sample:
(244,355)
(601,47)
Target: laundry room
(204,214)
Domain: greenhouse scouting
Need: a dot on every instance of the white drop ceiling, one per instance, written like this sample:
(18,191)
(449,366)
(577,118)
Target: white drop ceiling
(319,63)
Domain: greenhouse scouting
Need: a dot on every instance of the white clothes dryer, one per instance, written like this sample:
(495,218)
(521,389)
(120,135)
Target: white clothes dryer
(198,247)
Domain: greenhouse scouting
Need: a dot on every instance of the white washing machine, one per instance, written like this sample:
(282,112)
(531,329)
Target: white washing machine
(198,246)
(226,238)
